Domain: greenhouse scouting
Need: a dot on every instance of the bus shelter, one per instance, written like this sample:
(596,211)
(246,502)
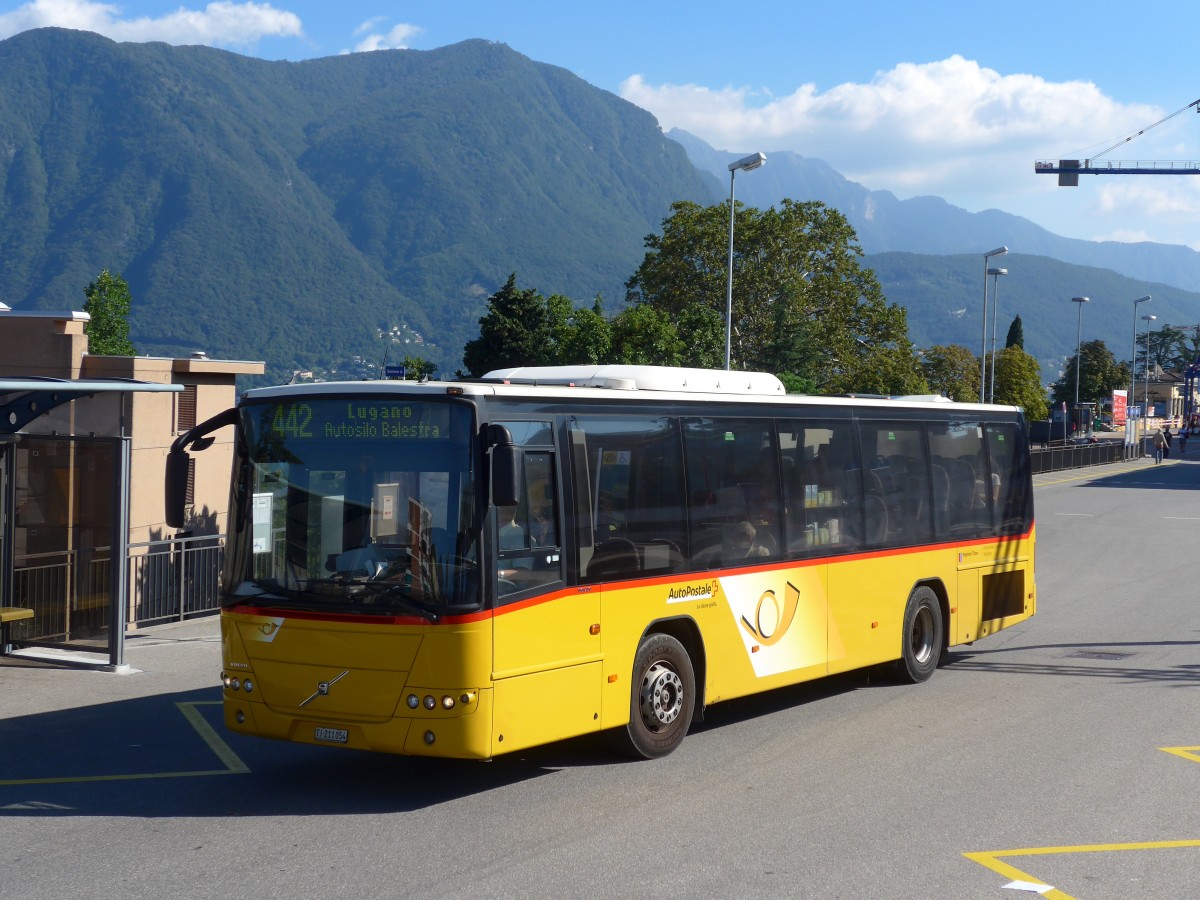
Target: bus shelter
(64,508)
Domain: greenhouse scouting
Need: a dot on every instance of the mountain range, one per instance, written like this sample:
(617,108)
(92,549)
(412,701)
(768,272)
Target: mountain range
(310,213)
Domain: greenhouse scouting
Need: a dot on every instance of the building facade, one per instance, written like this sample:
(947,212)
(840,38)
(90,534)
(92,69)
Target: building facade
(83,445)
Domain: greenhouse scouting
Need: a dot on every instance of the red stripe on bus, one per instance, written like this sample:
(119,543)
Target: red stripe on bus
(561,593)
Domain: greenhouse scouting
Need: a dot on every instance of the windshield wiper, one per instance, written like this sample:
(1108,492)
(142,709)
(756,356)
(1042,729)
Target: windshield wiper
(260,591)
(399,592)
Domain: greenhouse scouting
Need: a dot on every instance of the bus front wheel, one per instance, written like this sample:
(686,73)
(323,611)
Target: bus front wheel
(922,636)
(662,698)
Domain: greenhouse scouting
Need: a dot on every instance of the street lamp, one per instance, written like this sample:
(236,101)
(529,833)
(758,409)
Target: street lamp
(1133,357)
(745,164)
(995,273)
(1146,391)
(1079,325)
(999,251)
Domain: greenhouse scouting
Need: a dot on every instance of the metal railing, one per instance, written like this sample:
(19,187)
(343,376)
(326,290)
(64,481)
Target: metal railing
(1076,456)
(69,593)
(172,580)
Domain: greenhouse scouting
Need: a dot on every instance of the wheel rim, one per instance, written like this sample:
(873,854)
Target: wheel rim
(662,696)
(921,639)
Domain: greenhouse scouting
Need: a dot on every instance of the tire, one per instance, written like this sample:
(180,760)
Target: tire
(662,698)
(923,637)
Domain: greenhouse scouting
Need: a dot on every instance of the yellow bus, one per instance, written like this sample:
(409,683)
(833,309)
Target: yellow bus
(468,569)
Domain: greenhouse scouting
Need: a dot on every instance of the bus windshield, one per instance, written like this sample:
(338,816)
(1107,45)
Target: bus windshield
(357,504)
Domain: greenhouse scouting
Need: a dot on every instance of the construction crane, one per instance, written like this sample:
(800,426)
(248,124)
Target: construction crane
(1069,170)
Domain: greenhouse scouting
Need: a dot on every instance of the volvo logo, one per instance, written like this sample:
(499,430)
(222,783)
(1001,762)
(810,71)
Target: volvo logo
(324,686)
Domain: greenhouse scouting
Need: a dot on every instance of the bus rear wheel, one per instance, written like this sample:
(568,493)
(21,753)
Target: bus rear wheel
(922,636)
(662,698)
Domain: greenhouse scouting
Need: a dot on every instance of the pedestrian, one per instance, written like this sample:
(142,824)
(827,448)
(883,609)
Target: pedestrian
(1159,444)
(1166,442)
(1183,436)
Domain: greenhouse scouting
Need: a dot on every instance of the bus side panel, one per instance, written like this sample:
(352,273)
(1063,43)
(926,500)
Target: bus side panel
(541,707)
(547,670)
(998,579)
(965,622)
(757,630)
(867,600)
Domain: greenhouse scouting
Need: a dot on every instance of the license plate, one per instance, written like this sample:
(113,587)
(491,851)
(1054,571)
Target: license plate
(332,735)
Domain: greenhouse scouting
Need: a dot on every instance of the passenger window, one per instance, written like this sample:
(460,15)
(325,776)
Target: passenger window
(1009,462)
(627,480)
(733,491)
(962,498)
(896,491)
(821,486)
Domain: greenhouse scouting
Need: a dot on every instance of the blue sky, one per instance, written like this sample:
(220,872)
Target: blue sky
(951,99)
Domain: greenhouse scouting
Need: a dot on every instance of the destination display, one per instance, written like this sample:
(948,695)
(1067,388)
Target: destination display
(358,419)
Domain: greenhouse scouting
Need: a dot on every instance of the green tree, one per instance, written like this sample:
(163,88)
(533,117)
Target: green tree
(645,335)
(588,337)
(1168,349)
(108,302)
(797,384)
(524,328)
(416,368)
(1099,375)
(520,328)
(1016,335)
(1019,383)
(952,371)
(802,303)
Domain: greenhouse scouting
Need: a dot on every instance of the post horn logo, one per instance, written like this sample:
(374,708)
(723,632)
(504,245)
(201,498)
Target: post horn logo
(776,627)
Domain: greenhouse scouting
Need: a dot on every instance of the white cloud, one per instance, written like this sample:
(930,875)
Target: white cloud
(220,23)
(395,39)
(1160,195)
(370,24)
(917,125)
(951,128)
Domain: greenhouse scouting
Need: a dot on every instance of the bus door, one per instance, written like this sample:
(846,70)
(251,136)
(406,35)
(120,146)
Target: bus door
(546,644)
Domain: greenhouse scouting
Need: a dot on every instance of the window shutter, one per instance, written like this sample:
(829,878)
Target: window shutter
(186,415)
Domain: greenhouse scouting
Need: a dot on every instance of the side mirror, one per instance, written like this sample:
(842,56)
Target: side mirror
(176,486)
(506,467)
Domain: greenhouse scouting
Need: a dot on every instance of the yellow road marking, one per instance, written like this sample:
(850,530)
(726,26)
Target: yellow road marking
(991,859)
(233,765)
(1186,752)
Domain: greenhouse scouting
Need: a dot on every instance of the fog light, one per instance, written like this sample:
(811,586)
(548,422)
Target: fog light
(239,717)
(413,701)
(430,703)
(448,702)
(429,737)
(247,685)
